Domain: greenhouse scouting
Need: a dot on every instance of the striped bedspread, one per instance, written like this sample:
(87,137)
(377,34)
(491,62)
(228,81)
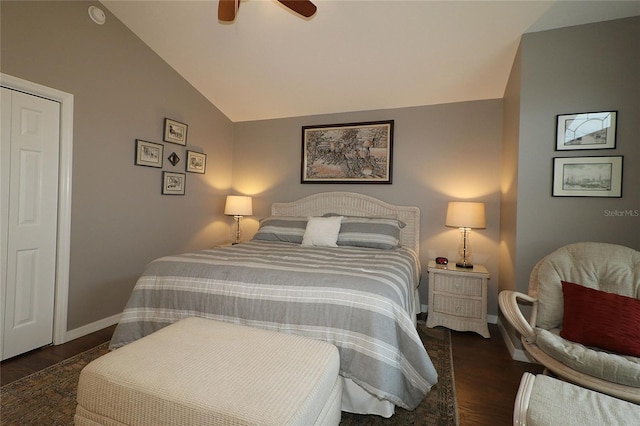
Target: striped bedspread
(358,299)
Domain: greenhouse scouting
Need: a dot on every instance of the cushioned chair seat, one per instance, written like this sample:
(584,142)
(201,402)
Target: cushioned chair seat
(545,401)
(203,372)
(611,367)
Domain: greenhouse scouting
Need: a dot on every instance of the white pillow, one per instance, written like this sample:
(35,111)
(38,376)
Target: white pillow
(322,231)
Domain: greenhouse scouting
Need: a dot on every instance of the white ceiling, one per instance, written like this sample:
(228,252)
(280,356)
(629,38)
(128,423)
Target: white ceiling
(353,55)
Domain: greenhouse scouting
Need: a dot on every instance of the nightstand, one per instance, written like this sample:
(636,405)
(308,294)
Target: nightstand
(458,298)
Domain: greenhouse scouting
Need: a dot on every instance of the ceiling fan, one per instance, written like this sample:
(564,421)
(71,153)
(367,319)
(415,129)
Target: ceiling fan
(227,9)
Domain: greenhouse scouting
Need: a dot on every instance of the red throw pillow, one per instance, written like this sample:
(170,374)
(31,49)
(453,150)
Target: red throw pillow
(605,320)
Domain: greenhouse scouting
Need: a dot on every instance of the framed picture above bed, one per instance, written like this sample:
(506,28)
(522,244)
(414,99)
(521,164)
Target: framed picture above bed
(348,153)
(173,183)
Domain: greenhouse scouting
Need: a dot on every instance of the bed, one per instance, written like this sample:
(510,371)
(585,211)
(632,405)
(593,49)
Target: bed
(359,294)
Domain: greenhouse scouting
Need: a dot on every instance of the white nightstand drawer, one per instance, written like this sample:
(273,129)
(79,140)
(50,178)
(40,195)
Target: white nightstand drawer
(465,286)
(469,308)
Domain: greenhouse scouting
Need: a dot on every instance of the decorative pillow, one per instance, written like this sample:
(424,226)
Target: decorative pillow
(369,232)
(605,320)
(289,229)
(390,216)
(322,231)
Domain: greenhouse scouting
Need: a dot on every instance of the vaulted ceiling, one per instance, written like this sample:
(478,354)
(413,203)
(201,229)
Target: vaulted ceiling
(352,55)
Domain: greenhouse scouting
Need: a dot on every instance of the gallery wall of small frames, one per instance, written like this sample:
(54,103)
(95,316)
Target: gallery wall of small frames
(152,154)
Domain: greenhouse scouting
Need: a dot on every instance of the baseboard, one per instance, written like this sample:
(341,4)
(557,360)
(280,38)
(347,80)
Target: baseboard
(516,354)
(91,328)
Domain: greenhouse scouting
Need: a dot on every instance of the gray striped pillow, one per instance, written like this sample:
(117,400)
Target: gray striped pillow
(282,228)
(380,233)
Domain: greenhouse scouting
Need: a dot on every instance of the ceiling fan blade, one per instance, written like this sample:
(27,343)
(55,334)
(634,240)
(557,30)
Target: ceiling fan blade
(227,10)
(302,7)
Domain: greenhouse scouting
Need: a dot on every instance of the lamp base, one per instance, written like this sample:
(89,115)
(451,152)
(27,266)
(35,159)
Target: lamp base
(464,265)
(237,219)
(464,250)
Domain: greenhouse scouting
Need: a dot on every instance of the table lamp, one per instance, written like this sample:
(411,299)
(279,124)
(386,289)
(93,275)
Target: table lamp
(238,206)
(465,215)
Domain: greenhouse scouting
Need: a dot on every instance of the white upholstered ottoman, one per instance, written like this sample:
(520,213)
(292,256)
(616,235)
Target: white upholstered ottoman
(204,372)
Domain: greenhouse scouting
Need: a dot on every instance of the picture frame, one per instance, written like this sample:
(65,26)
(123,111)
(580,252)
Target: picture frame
(149,154)
(587,177)
(196,162)
(586,130)
(173,183)
(175,131)
(348,153)
(173,159)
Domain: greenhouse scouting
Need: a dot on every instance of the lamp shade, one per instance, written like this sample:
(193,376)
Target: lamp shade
(238,205)
(465,214)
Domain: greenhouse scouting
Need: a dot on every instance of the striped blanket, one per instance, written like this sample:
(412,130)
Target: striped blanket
(358,299)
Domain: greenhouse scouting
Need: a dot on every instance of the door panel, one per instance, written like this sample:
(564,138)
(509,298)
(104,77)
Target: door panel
(25,293)
(31,226)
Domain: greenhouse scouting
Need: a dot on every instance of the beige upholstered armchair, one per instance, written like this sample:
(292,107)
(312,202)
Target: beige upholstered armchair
(587,329)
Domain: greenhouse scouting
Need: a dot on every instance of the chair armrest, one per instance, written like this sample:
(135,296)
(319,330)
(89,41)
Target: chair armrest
(508,301)
(523,396)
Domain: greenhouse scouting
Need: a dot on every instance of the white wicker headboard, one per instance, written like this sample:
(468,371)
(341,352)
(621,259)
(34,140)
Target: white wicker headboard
(353,204)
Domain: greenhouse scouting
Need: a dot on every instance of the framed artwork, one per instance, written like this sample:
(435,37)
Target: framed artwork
(149,154)
(347,153)
(173,183)
(587,130)
(175,132)
(196,162)
(173,159)
(587,177)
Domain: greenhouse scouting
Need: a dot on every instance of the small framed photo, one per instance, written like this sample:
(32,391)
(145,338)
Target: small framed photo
(175,132)
(148,154)
(173,183)
(587,130)
(587,177)
(196,162)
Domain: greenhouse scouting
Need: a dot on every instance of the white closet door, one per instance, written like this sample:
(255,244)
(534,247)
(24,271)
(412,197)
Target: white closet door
(30,142)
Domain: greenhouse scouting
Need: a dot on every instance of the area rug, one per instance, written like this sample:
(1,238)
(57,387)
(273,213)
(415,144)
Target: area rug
(48,397)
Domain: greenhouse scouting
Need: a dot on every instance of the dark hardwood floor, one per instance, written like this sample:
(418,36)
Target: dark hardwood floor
(486,377)
(38,359)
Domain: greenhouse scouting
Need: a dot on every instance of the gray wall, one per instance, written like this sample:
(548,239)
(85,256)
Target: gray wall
(122,92)
(441,153)
(585,68)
